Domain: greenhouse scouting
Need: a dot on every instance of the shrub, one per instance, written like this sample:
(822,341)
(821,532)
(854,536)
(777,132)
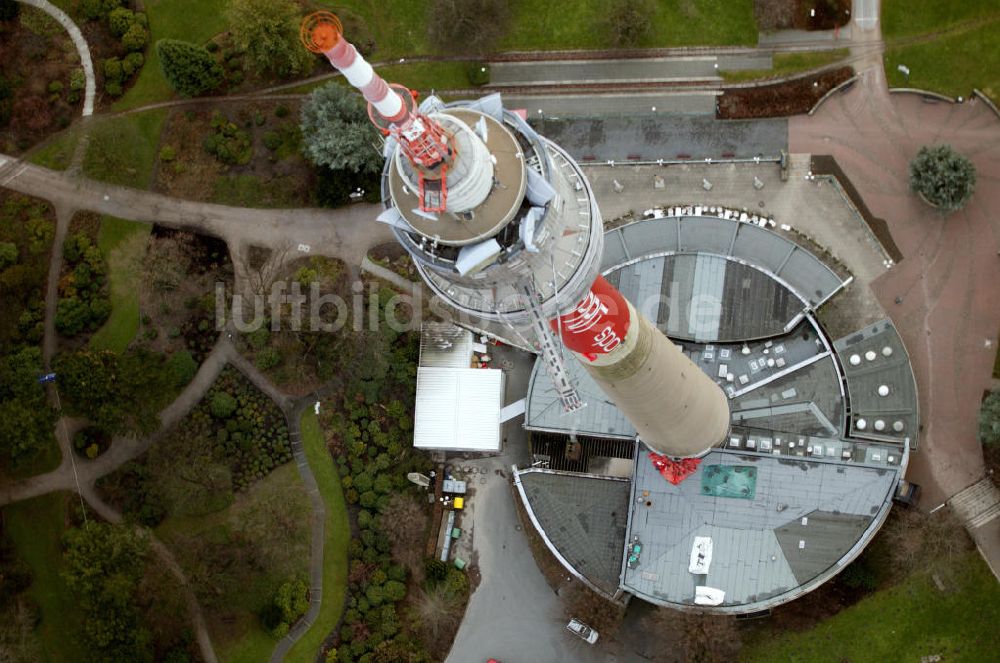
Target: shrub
(120,20)
(629,21)
(281,111)
(77,80)
(96,9)
(273,140)
(267,359)
(113,71)
(168,153)
(189,69)
(9,9)
(182,367)
(8,254)
(943,177)
(136,38)
(55,87)
(989,419)
(223,405)
(267,32)
(859,575)
(479,73)
(228,143)
(132,63)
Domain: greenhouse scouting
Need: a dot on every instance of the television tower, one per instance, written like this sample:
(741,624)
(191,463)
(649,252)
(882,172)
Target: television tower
(503,226)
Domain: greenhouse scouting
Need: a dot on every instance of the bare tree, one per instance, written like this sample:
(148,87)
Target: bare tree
(630,21)
(469,26)
(259,268)
(594,610)
(698,638)
(917,539)
(404,522)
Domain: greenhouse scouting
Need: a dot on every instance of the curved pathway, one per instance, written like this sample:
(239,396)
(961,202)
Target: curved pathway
(81,47)
(346,233)
(108,513)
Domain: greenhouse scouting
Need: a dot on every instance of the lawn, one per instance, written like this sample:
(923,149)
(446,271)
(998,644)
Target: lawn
(57,152)
(952,65)
(122,150)
(36,527)
(399,26)
(905,18)
(785,64)
(237,557)
(337,534)
(123,244)
(905,623)
(191,20)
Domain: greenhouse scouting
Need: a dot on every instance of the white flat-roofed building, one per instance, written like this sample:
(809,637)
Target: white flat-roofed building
(458,409)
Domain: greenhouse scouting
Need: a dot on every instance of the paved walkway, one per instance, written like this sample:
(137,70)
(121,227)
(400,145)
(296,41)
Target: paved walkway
(949,280)
(81,47)
(633,70)
(111,515)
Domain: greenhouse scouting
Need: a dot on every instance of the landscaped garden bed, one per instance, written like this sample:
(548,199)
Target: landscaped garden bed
(781,99)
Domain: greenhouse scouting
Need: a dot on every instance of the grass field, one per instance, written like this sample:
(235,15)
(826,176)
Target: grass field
(36,527)
(122,150)
(904,623)
(196,21)
(905,18)
(58,153)
(952,65)
(337,534)
(399,26)
(785,64)
(238,556)
(123,244)
(544,25)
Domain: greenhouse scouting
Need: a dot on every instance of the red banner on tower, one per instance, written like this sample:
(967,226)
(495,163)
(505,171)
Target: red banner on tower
(598,324)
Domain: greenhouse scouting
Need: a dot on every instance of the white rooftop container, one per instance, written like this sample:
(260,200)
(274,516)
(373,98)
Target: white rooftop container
(458,409)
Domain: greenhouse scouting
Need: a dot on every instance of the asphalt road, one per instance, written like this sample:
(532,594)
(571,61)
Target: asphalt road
(561,72)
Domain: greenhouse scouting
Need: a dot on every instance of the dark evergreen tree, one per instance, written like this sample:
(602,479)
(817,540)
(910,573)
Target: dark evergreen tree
(191,70)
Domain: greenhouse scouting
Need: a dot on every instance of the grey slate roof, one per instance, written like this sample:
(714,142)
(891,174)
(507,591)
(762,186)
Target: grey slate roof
(864,379)
(584,518)
(750,561)
(794,267)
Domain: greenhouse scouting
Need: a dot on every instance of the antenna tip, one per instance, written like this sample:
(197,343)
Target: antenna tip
(320,31)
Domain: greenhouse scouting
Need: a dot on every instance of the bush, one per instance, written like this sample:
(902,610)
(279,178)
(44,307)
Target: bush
(55,87)
(223,405)
(943,177)
(120,20)
(8,254)
(189,69)
(989,419)
(859,575)
(136,38)
(228,143)
(77,80)
(132,64)
(182,367)
(113,71)
(167,153)
(267,31)
(479,73)
(629,21)
(97,9)
(267,359)
(9,9)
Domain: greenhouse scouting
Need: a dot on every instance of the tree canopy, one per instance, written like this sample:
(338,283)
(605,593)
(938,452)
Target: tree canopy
(989,419)
(104,564)
(268,33)
(944,177)
(26,420)
(191,70)
(336,131)
(119,394)
(469,26)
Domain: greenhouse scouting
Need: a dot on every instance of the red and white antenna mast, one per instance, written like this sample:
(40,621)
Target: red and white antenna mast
(392,108)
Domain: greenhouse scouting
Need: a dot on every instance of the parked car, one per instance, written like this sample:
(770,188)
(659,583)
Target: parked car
(577,627)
